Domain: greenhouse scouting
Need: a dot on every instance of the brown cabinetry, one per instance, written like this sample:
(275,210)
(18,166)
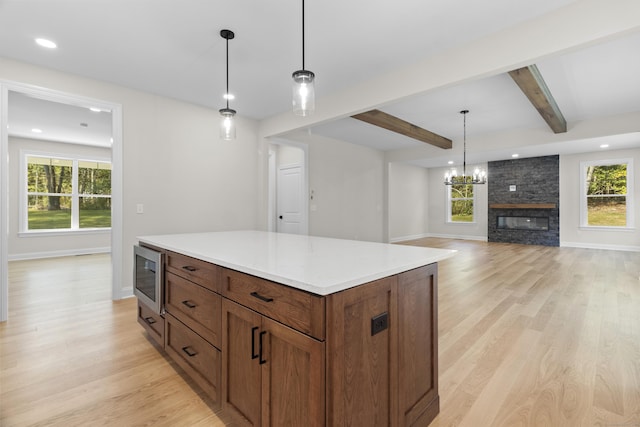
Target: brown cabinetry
(199,359)
(272,375)
(195,306)
(193,319)
(274,355)
(382,338)
(152,322)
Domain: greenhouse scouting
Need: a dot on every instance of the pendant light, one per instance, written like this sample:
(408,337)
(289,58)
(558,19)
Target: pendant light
(303,88)
(479,175)
(227,123)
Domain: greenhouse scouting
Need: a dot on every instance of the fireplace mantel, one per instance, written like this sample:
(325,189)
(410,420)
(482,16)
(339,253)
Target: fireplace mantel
(522,206)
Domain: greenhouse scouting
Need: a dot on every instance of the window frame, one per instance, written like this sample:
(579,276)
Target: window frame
(584,214)
(450,199)
(23,225)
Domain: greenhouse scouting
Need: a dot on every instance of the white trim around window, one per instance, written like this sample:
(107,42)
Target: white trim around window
(448,207)
(628,197)
(23,225)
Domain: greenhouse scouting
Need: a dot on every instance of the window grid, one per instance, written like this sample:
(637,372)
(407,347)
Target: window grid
(76,197)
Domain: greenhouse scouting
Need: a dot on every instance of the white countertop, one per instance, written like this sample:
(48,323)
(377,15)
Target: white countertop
(318,265)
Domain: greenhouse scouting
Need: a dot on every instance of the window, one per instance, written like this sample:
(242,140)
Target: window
(63,193)
(461,202)
(606,193)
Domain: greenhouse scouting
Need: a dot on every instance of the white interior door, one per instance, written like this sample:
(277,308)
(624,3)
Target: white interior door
(289,199)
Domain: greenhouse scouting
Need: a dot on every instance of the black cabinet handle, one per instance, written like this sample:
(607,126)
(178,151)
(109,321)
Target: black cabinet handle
(262,361)
(280,217)
(189,351)
(260,297)
(189,268)
(150,320)
(189,304)
(253,343)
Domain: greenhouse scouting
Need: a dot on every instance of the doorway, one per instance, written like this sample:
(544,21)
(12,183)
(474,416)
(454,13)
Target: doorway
(288,188)
(7,88)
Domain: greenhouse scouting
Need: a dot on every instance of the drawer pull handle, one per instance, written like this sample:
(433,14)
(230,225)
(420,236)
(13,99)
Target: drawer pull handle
(253,343)
(189,351)
(260,297)
(189,268)
(150,320)
(262,361)
(189,304)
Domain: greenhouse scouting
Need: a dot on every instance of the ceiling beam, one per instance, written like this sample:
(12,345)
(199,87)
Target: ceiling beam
(532,84)
(394,124)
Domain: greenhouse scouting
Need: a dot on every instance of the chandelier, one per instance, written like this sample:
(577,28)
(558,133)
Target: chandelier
(479,175)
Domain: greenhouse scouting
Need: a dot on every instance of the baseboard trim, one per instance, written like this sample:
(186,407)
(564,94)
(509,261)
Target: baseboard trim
(405,238)
(458,236)
(56,254)
(600,246)
(442,236)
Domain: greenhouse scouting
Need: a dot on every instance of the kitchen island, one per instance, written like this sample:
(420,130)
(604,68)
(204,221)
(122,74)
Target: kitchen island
(286,329)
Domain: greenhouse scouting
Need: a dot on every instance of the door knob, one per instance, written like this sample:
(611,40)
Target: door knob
(280,217)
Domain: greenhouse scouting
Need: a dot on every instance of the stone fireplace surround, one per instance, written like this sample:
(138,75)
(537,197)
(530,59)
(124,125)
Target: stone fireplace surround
(524,188)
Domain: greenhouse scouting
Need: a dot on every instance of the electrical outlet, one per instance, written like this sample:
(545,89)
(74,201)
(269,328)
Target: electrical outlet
(379,323)
(139,208)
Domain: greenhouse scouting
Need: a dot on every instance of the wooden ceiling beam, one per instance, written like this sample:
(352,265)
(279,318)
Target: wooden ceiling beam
(394,124)
(532,84)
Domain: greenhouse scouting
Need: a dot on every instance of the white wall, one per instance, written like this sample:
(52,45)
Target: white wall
(570,232)
(288,155)
(174,162)
(347,184)
(408,202)
(35,246)
(437,214)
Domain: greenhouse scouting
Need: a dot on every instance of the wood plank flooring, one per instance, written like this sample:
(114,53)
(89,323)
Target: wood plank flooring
(529,336)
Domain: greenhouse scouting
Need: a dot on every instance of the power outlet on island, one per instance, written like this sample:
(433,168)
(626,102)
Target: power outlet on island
(379,323)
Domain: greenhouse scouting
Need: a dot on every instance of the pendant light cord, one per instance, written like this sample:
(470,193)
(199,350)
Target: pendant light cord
(303,34)
(227,94)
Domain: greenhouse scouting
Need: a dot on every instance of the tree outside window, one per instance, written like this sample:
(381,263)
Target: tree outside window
(606,194)
(461,199)
(67,194)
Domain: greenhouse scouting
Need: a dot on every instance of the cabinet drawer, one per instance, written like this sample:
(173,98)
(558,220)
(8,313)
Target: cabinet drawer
(295,308)
(152,322)
(199,359)
(201,272)
(195,306)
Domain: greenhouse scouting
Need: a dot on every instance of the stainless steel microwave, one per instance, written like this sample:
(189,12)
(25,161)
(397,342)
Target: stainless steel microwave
(148,268)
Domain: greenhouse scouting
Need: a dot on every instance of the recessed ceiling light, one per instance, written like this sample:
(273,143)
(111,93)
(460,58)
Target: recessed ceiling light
(36,130)
(604,146)
(95,109)
(515,155)
(450,162)
(229,96)
(46,43)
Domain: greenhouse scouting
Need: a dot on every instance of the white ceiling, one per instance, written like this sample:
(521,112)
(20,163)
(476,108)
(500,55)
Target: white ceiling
(58,122)
(174,49)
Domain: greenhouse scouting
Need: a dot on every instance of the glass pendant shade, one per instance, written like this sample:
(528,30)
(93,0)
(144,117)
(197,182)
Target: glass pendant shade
(227,124)
(303,93)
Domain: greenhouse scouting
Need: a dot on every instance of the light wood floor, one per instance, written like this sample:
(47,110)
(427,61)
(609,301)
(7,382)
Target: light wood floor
(529,336)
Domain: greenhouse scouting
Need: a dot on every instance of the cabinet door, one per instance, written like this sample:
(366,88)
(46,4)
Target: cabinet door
(418,344)
(293,373)
(241,376)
